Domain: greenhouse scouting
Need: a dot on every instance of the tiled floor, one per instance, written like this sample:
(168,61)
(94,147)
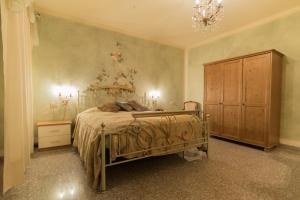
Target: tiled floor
(232,172)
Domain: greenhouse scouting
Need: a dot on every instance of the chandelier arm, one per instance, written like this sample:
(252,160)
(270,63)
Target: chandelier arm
(215,14)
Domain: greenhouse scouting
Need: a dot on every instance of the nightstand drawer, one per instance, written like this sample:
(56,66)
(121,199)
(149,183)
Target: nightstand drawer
(46,131)
(53,141)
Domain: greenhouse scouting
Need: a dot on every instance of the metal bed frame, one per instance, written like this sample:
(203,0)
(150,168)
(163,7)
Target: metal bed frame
(89,99)
(106,138)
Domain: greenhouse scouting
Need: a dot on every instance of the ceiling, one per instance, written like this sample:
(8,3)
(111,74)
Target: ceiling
(164,21)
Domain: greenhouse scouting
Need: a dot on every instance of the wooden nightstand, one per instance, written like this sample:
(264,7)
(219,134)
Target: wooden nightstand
(54,133)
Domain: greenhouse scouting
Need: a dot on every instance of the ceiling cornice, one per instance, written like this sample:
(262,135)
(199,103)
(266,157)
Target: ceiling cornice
(249,26)
(94,23)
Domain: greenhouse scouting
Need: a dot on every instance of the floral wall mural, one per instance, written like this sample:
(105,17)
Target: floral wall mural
(119,80)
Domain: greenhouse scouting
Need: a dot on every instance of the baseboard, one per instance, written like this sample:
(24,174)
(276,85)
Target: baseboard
(291,143)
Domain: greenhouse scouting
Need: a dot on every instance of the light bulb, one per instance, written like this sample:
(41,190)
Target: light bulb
(197,2)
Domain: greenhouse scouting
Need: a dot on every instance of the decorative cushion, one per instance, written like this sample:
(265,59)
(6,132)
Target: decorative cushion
(136,106)
(109,107)
(124,106)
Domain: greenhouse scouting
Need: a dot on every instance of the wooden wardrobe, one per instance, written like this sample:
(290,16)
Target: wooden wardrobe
(242,96)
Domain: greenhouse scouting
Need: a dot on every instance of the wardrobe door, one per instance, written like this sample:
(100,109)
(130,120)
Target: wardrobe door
(256,89)
(212,95)
(231,99)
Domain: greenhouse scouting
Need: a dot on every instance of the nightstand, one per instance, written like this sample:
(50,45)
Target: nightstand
(54,133)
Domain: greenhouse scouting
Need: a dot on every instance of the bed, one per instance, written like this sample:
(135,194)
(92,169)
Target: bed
(104,139)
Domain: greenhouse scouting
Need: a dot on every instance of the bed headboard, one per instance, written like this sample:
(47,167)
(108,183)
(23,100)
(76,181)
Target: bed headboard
(88,99)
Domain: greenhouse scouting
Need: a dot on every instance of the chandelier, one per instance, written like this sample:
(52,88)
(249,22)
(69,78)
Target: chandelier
(206,14)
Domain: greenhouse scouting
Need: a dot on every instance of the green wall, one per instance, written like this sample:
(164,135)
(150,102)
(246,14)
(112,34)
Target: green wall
(282,34)
(72,53)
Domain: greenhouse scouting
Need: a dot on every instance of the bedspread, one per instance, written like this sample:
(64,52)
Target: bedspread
(129,135)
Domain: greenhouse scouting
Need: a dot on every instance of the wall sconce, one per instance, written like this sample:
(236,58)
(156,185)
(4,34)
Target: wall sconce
(64,91)
(65,94)
(155,95)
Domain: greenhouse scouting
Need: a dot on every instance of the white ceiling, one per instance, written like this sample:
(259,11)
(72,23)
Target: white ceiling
(165,21)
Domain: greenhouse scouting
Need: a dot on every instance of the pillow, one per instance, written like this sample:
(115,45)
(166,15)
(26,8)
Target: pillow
(109,107)
(124,106)
(136,106)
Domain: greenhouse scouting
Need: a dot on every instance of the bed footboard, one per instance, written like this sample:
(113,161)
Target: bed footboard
(201,142)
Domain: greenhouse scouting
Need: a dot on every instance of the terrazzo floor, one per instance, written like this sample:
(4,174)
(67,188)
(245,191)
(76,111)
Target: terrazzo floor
(232,172)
